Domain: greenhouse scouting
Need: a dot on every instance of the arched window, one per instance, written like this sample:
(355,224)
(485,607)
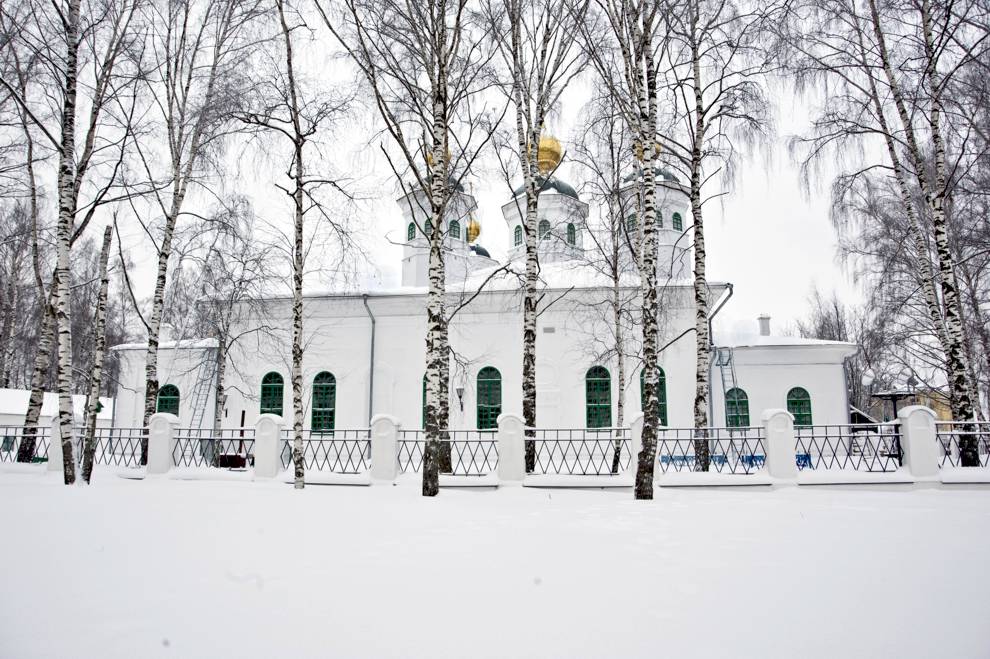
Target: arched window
(799,404)
(489,397)
(168,399)
(455,229)
(736,408)
(411,231)
(661,393)
(677,222)
(571,234)
(544,229)
(324,405)
(659,219)
(631,223)
(428,228)
(598,397)
(517,236)
(272,389)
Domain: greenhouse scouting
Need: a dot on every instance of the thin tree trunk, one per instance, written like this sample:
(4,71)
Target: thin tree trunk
(620,404)
(220,393)
(99,343)
(42,363)
(446,447)
(66,213)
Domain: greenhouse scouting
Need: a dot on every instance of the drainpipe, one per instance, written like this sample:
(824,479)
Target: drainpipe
(711,362)
(371,359)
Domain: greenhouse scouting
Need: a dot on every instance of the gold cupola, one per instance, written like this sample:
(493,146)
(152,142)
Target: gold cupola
(549,154)
(473,225)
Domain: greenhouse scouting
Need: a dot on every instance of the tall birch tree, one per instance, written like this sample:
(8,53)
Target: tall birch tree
(99,347)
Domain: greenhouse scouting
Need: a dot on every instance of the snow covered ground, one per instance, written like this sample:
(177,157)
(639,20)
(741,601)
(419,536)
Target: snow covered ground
(166,568)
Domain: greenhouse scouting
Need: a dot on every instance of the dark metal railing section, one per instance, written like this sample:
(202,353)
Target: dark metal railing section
(230,448)
(859,447)
(337,451)
(10,443)
(472,452)
(580,451)
(117,447)
(953,435)
(730,450)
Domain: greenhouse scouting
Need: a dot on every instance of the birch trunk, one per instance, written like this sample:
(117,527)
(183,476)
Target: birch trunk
(42,362)
(703,341)
(220,394)
(446,448)
(646,135)
(66,213)
(99,346)
(620,406)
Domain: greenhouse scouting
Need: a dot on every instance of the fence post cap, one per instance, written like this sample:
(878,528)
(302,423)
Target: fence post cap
(508,416)
(271,418)
(905,412)
(774,411)
(171,419)
(378,418)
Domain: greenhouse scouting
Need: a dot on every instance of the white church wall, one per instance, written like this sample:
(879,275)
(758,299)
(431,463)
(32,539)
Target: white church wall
(176,365)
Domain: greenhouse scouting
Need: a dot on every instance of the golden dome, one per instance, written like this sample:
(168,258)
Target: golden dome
(639,150)
(473,229)
(549,154)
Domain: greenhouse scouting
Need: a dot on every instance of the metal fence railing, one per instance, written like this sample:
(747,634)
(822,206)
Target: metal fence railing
(579,451)
(472,452)
(117,447)
(952,436)
(858,447)
(739,450)
(12,437)
(231,448)
(338,451)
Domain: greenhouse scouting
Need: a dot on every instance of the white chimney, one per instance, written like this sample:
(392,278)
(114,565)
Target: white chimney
(764,321)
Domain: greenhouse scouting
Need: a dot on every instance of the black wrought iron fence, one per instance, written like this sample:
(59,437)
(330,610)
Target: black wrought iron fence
(955,435)
(117,447)
(339,451)
(580,451)
(12,439)
(857,447)
(472,452)
(730,450)
(230,448)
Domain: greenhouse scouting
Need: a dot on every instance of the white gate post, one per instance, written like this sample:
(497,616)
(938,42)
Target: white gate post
(778,439)
(161,442)
(919,442)
(635,443)
(267,445)
(384,448)
(511,449)
(55,460)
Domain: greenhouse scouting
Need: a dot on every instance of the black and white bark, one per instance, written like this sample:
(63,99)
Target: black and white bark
(99,347)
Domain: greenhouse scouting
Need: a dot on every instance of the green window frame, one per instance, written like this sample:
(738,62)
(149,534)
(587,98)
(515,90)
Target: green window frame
(423,421)
(571,234)
(736,408)
(677,222)
(661,393)
(659,219)
(544,229)
(489,397)
(517,236)
(455,229)
(168,399)
(598,398)
(428,229)
(272,393)
(632,223)
(799,404)
(411,231)
(323,415)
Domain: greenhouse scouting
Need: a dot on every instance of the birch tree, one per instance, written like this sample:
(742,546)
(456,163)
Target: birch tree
(195,84)
(99,346)
(422,64)
(537,41)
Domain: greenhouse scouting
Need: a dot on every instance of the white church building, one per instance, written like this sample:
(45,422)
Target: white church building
(365,352)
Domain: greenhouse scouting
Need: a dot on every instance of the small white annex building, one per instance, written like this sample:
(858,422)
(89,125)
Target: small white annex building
(14,405)
(365,352)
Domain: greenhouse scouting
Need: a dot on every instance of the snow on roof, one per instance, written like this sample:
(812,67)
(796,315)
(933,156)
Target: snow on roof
(760,341)
(15,402)
(185,344)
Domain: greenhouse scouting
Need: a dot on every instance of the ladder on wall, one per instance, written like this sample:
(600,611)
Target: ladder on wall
(204,385)
(727,368)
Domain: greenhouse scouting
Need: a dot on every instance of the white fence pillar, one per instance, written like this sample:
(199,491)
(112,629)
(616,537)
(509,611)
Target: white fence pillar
(919,442)
(161,442)
(55,461)
(268,445)
(778,438)
(511,449)
(635,443)
(384,448)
